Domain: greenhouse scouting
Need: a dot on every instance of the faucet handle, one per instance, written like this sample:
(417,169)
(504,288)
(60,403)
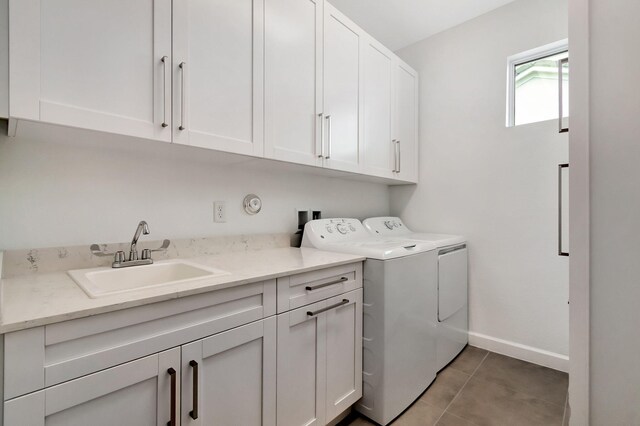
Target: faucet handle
(163,247)
(146,253)
(118,258)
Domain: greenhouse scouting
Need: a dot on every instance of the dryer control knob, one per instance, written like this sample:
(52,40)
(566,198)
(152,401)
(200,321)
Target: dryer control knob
(388,224)
(342,228)
(329,229)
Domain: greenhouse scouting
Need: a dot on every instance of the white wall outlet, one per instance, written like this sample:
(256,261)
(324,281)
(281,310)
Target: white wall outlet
(219,212)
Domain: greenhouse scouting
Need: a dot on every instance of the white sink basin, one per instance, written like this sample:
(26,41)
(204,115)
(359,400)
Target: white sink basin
(99,282)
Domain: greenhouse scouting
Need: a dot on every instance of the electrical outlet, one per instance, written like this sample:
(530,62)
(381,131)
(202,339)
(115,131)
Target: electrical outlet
(219,212)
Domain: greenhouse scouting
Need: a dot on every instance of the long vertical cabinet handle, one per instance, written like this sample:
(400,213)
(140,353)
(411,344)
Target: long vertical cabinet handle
(194,412)
(164,60)
(395,157)
(182,95)
(561,63)
(328,118)
(174,389)
(399,155)
(560,167)
(396,152)
(321,155)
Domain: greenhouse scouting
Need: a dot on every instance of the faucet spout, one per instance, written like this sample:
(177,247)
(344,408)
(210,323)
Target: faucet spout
(143,229)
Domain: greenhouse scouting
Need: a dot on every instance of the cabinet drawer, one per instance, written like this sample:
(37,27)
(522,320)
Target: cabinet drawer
(302,289)
(59,352)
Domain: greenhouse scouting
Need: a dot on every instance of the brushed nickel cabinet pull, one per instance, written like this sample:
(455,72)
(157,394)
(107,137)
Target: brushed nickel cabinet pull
(194,412)
(395,156)
(182,95)
(328,308)
(328,117)
(321,155)
(164,90)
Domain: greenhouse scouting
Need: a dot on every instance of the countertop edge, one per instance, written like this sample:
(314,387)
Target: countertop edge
(142,301)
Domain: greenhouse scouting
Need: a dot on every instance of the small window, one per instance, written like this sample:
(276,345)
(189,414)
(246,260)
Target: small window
(533,85)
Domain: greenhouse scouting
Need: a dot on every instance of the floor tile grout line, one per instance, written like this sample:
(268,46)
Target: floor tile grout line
(461,388)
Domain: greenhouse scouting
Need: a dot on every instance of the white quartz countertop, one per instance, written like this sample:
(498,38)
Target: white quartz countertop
(39,299)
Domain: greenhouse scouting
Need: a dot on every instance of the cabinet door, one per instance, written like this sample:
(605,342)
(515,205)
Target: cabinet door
(342,90)
(293,80)
(344,352)
(378,146)
(230,378)
(301,367)
(406,123)
(137,393)
(218,74)
(92,64)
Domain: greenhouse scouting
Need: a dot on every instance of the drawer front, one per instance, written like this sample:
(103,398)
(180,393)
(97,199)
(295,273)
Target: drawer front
(71,349)
(302,289)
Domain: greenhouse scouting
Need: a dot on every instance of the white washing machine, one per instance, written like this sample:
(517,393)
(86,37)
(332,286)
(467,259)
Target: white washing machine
(452,313)
(399,311)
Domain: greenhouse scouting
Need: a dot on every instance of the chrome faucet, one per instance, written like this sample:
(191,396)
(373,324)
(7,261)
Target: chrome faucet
(142,228)
(119,260)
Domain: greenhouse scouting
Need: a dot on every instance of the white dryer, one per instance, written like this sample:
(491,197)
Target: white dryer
(399,326)
(452,312)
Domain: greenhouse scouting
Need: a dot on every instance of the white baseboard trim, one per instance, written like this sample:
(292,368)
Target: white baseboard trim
(523,352)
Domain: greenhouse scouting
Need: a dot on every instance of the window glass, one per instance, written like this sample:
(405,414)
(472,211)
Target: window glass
(536,89)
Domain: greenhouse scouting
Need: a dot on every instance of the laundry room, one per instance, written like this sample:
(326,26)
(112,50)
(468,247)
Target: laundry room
(319,212)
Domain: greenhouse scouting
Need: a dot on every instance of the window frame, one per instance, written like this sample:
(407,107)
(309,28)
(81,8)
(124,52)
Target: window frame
(513,61)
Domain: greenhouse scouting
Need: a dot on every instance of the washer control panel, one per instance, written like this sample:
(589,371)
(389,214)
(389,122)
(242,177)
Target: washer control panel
(385,226)
(338,229)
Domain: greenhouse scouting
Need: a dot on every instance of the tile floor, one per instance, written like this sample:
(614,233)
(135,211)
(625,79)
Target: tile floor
(481,388)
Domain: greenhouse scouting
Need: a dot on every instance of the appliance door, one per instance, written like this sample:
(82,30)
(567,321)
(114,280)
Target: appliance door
(452,281)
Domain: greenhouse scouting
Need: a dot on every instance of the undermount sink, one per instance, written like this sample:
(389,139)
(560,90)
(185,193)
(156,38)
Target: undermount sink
(99,282)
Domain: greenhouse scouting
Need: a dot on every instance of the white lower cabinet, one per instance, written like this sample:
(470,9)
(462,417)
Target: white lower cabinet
(230,378)
(319,360)
(141,392)
(221,358)
(225,379)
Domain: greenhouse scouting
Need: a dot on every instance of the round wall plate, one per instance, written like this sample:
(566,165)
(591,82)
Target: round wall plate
(252,204)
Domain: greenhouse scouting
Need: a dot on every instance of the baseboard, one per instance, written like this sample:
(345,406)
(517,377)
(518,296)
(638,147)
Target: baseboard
(523,352)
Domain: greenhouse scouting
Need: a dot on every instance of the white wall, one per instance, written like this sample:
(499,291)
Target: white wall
(493,184)
(67,187)
(615,211)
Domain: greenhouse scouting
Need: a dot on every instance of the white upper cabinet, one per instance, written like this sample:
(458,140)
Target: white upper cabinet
(342,91)
(406,123)
(218,74)
(378,105)
(290,80)
(293,80)
(92,64)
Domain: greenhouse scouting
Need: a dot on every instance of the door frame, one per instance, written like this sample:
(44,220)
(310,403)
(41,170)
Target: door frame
(579,269)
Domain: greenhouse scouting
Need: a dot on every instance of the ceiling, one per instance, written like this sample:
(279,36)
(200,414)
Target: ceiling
(399,23)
